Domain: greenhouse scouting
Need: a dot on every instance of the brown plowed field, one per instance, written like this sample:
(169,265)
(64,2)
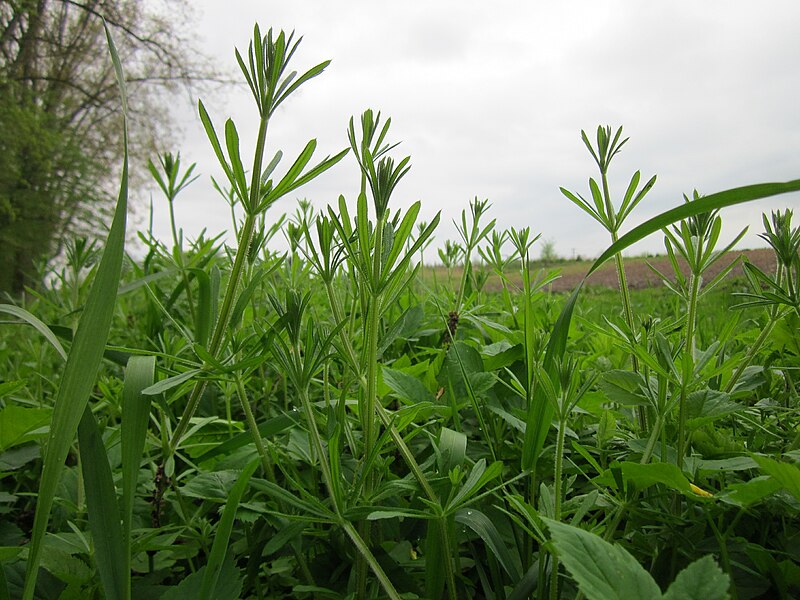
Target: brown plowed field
(637,272)
(640,276)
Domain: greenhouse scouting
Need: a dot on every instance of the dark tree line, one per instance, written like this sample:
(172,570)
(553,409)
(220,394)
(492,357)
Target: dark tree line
(60,141)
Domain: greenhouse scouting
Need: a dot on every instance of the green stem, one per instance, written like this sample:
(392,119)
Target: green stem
(558,472)
(509,304)
(627,307)
(462,286)
(615,520)
(370,359)
(688,364)
(447,552)
(387,422)
(651,442)
(178,253)
(371,350)
(228,301)
(364,552)
(752,351)
(253,427)
(723,553)
(383,414)
(219,330)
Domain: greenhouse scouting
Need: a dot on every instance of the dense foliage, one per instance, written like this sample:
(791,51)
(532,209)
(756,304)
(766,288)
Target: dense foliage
(338,422)
(59,108)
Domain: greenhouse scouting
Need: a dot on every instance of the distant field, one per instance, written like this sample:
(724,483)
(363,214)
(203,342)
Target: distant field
(638,273)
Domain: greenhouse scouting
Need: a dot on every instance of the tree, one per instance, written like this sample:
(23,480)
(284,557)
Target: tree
(548,254)
(59,128)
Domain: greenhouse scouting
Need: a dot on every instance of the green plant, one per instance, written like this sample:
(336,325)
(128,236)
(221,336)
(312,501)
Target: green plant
(471,236)
(70,407)
(777,293)
(268,59)
(695,240)
(342,447)
(602,210)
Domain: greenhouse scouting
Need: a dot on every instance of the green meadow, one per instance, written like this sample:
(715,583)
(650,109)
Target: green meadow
(223,421)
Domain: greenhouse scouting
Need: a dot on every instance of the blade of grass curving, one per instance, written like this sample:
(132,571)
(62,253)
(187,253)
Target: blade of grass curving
(111,354)
(232,143)
(267,429)
(485,528)
(41,327)
(215,144)
(102,508)
(223,534)
(84,356)
(139,374)
(705,204)
(540,412)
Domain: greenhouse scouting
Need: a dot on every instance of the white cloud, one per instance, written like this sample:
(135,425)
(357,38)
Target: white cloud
(489,99)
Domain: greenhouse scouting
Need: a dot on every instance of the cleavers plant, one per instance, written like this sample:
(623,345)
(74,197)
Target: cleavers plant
(314,424)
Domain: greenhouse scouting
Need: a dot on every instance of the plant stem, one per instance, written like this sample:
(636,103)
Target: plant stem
(622,280)
(228,301)
(688,364)
(753,350)
(178,253)
(219,330)
(368,417)
(383,414)
(627,308)
(253,427)
(398,440)
(447,552)
(559,465)
(655,432)
(364,552)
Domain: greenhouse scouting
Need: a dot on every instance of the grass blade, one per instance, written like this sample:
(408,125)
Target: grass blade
(540,412)
(223,534)
(41,327)
(83,360)
(101,504)
(701,205)
(267,429)
(483,526)
(139,374)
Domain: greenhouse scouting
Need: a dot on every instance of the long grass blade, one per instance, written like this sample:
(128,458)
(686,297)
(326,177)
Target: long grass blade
(103,510)
(84,358)
(32,320)
(139,375)
(689,209)
(541,412)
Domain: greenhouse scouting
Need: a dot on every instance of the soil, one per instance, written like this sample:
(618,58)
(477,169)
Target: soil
(638,274)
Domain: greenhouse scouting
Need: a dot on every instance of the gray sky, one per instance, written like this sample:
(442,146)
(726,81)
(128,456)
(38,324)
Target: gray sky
(489,99)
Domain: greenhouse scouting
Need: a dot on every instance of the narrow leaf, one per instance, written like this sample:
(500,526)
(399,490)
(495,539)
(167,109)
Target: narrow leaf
(139,374)
(223,533)
(101,504)
(83,360)
(486,530)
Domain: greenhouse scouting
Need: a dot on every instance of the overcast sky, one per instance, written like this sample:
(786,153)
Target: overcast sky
(489,99)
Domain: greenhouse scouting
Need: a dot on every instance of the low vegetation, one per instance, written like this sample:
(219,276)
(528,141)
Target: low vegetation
(333,422)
